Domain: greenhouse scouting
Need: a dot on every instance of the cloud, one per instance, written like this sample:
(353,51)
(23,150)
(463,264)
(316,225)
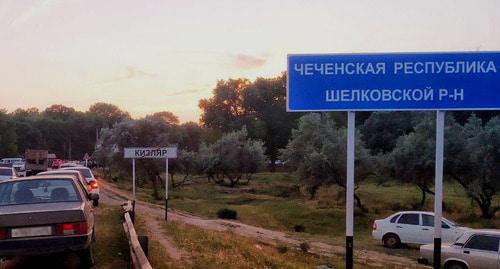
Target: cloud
(133,73)
(245,61)
(40,7)
(186,92)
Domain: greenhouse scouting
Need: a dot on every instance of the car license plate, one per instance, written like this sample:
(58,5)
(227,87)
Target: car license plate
(31,231)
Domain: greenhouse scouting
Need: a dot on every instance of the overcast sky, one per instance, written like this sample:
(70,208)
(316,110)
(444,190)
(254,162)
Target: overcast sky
(147,56)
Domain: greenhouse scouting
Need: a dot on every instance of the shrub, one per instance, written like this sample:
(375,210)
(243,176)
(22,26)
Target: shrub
(299,228)
(304,247)
(227,213)
(282,249)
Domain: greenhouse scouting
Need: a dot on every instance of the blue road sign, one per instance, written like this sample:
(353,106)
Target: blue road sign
(394,81)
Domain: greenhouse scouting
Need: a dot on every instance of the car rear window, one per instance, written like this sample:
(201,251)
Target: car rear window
(85,171)
(38,191)
(5,172)
(412,219)
(393,219)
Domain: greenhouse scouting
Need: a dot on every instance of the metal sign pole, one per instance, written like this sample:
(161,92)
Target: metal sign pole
(166,187)
(133,185)
(351,137)
(438,197)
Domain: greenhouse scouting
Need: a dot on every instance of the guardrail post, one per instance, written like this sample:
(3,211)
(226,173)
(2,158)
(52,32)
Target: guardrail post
(144,242)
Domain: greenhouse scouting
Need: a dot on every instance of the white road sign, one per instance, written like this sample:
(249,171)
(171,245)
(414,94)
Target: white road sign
(150,153)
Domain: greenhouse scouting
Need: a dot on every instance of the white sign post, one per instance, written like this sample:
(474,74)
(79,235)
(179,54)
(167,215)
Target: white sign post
(351,138)
(150,153)
(438,186)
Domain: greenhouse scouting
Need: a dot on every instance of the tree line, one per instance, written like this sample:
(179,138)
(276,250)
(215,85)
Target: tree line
(244,127)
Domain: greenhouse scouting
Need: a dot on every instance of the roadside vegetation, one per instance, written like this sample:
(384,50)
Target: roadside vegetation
(111,249)
(210,249)
(278,201)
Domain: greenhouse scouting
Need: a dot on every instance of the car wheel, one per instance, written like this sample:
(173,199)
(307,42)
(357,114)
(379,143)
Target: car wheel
(455,265)
(87,258)
(391,241)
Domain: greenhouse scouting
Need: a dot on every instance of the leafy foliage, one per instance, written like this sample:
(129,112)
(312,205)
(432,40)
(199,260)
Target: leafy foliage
(318,149)
(231,158)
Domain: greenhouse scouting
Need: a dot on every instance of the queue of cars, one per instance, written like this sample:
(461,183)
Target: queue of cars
(51,212)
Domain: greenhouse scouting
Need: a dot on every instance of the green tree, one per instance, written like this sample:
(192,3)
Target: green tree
(265,104)
(232,158)
(318,150)
(258,105)
(413,158)
(106,115)
(382,129)
(146,132)
(8,145)
(472,159)
(225,110)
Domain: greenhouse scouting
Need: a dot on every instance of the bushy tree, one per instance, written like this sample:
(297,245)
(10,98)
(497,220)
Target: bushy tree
(413,158)
(473,158)
(260,106)
(318,149)
(265,104)
(232,158)
(382,129)
(106,115)
(8,146)
(146,132)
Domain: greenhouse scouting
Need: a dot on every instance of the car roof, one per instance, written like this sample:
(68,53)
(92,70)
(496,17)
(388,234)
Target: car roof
(74,168)
(414,212)
(58,172)
(39,177)
(483,231)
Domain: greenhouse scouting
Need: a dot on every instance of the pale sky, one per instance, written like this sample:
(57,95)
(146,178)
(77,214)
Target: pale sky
(148,56)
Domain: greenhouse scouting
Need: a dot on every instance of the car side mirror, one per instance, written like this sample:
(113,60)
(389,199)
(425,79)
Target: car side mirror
(94,197)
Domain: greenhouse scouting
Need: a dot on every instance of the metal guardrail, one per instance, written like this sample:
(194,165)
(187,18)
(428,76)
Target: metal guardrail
(138,258)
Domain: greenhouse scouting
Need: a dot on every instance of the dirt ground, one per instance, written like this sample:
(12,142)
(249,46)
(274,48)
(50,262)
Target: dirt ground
(111,194)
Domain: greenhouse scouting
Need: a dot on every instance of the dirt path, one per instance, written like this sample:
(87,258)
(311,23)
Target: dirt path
(156,212)
(152,225)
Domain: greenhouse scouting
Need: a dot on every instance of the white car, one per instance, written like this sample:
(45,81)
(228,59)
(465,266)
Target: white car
(7,173)
(413,227)
(475,249)
(89,176)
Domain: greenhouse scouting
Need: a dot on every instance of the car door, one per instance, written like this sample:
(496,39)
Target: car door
(426,229)
(407,227)
(481,251)
(427,232)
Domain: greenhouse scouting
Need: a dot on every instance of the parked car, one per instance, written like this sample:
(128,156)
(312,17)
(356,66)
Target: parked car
(16,163)
(56,163)
(90,185)
(44,215)
(475,249)
(7,173)
(64,165)
(413,227)
(89,177)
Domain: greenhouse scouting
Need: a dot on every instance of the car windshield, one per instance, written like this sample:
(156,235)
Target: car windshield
(5,172)
(38,191)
